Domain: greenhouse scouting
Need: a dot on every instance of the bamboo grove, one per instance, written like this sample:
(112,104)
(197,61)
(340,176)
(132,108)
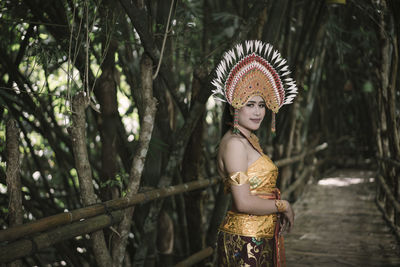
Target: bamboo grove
(111,99)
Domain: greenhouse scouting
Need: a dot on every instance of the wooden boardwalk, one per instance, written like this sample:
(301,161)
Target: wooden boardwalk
(337,223)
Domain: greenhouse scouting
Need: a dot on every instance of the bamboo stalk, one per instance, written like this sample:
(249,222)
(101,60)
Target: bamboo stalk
(195,258)
(101,208)
(24,247)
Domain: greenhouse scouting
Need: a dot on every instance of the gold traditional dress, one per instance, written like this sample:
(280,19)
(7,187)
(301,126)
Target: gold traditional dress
(252,240)
(252,68)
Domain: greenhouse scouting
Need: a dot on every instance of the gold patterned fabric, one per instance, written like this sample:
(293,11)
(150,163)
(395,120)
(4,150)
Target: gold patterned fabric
(261,175)
(249,225)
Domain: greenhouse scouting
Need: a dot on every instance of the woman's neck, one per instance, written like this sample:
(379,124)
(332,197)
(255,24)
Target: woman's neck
(251,138)
(244,131)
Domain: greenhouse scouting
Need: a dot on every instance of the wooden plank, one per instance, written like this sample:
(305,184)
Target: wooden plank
(339,224)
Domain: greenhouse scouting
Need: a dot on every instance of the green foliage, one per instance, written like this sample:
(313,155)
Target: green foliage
(73,180)
(47,53)
(116,182)
(368,87)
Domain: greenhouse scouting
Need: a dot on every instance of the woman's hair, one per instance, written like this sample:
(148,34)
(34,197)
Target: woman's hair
(227,119)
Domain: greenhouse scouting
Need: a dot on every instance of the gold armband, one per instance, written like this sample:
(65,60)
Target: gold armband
(238,178)
(280,205)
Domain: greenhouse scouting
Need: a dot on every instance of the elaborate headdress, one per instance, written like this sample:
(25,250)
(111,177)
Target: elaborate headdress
(254,68)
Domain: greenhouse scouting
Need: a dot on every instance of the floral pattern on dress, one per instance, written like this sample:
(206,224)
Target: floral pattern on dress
(242,251)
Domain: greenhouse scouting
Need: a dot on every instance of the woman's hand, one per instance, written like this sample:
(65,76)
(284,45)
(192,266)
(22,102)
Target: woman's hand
(287,218)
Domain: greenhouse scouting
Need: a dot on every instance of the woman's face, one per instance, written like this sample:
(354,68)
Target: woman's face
(251,115)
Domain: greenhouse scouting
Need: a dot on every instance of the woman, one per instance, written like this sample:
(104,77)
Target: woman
(249,79)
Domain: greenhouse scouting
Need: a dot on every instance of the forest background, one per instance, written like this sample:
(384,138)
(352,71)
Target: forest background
(112,98)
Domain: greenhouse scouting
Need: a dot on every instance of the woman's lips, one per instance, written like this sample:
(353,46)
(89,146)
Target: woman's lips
(256,120)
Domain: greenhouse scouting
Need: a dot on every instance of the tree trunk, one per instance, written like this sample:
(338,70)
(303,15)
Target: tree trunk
(146,129)
(83,168)
(13,179)
(106,93)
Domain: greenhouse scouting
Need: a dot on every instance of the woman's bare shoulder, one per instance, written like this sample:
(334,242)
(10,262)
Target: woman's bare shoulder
(232,154)
(232,144)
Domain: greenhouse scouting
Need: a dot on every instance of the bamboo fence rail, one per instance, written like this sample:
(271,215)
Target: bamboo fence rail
(81,221)
(31,245)
(303,178)
(63,226)
(291,160)
(47,223)
(299,181)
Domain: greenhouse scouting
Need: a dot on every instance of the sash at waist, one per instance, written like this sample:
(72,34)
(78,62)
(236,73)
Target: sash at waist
(249,225)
